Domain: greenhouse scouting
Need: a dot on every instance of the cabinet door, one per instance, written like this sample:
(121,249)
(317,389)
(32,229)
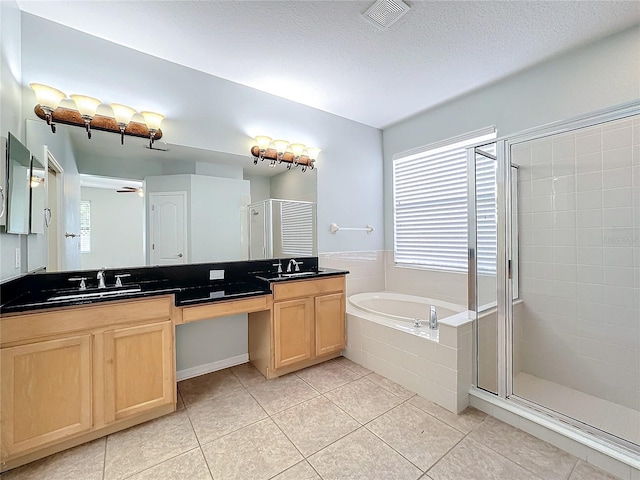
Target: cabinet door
(46,392)
(292,329)
(139,372)
(330,320)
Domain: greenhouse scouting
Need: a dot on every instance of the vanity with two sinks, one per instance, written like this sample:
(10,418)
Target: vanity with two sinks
(80,364)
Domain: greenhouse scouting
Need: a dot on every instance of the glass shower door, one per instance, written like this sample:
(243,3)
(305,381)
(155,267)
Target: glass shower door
(576,331)
(482,169)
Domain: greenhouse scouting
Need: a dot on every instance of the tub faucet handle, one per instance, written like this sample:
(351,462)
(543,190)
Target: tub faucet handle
(417,323)
(83,285)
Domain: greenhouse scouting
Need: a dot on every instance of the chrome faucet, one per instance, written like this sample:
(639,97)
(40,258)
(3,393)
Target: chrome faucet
(433,318)
(417,323)
(295,264)
(100,278)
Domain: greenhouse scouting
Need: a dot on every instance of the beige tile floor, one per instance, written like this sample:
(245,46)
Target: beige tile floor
(334,421)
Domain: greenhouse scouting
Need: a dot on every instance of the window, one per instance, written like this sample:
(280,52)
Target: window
(85,226)
(430,204)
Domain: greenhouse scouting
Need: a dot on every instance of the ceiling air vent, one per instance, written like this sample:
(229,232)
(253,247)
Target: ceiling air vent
(385,13)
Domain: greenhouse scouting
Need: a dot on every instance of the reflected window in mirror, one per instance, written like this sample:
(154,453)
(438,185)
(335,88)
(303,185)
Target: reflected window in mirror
(85,226)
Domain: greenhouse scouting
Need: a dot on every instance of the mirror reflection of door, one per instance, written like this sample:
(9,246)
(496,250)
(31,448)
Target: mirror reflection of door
(168,233)
(52,214)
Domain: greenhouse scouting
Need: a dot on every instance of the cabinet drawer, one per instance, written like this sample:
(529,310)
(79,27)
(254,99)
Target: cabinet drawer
(221,309)
(307,288)
(32,325)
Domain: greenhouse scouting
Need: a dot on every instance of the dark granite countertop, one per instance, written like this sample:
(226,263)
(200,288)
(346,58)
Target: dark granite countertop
(187,282)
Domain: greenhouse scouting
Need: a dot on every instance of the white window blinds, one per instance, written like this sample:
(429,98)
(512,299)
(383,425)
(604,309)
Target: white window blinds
(297,228)
(430,203)
(85,226)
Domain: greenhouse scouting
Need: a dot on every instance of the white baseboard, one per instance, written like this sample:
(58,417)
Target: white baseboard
(211,367)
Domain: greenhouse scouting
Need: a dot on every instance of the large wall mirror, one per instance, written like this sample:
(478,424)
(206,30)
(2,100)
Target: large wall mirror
(170,205)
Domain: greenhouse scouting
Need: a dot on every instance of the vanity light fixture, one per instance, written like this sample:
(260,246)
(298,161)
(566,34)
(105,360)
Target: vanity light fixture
(49,99)
(84,115)
(293,154)
(123,115)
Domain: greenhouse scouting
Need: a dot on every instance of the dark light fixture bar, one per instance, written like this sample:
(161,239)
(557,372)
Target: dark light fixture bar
(287,157)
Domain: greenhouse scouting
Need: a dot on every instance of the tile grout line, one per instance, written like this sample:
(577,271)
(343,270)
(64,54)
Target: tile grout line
(160,463)
(104,459)
(526,433)
(465,435)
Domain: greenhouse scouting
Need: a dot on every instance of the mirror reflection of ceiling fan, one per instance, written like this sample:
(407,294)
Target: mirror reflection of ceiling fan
(137,190)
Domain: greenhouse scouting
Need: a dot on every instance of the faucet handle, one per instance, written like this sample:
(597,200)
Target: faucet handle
(279,265)
(119,277)
(297,264)
(83,285)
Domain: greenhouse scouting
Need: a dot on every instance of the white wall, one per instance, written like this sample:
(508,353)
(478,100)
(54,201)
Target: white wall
(260,187)
(211,113)
(10,118)
(117,224)
(216,218)
(295,185)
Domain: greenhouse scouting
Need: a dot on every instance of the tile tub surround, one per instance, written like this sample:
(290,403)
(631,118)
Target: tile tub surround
(437,370)
(312,437)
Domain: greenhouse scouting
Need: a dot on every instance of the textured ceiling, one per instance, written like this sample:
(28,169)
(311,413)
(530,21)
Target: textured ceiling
(325,55)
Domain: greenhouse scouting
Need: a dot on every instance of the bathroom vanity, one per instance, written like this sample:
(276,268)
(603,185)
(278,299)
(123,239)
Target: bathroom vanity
(76,367)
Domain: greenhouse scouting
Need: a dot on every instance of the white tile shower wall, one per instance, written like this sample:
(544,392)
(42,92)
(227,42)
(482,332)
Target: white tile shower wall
(438,371)
(366,269)
(579,221)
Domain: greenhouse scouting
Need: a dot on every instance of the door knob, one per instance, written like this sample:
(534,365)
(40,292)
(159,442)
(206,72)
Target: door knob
(72,235)
(179,255)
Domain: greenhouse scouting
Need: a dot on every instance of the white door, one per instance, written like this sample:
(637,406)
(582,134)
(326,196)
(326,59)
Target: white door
(168,232)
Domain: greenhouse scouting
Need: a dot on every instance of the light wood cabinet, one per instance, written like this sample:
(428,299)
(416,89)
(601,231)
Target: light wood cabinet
(330,322)
(74,374)
(306,326)
(138,369)
(292,331)
(46,392)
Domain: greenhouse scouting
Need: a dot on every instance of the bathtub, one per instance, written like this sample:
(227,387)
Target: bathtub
(400,311)
(435,364)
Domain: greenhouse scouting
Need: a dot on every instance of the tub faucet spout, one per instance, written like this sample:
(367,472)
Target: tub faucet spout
(433,318)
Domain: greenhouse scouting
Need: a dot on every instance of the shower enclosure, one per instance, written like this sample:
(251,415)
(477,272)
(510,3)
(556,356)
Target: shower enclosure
(281,228)
(554,271)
